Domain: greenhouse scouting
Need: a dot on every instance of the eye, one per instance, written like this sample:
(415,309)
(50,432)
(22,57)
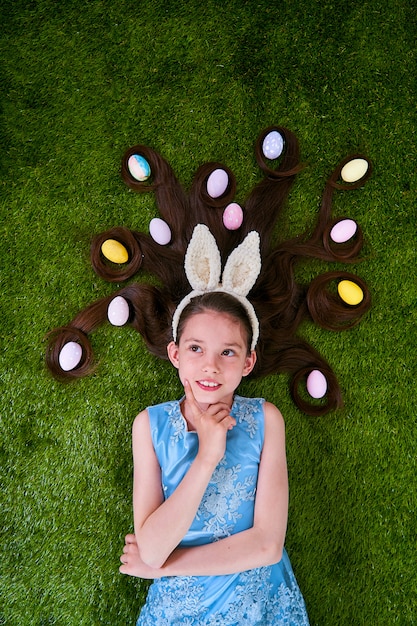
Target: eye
(195,348)
(228,352)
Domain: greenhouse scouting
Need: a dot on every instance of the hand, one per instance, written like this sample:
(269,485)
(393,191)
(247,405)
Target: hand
(211,425)
(133,564)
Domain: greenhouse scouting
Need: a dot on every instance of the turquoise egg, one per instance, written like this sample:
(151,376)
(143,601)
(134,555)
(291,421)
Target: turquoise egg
(139,167)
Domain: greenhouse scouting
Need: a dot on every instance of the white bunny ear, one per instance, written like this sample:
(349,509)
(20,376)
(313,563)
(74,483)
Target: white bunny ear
(243,266)
(202,262)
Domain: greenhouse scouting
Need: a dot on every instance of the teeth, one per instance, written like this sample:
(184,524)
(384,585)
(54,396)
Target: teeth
(206,383)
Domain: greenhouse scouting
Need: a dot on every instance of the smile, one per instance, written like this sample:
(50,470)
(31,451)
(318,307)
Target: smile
(208,385)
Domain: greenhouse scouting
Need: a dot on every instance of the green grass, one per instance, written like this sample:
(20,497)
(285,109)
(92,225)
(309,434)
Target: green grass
(81,82)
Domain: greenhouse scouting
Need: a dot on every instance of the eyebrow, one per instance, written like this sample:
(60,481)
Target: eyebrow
(226,345)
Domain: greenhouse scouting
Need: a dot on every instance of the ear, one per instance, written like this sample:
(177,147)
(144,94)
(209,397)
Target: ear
(243,266)
(249,363)
(173,354)
(202,261)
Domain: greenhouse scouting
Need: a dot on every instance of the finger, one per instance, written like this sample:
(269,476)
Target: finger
(192,402)
(228,422)
(219,410)
(222,417)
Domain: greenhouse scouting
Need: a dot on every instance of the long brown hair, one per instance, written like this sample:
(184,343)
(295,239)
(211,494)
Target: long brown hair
(281,303)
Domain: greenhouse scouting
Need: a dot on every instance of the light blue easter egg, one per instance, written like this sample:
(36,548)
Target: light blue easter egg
(139,167)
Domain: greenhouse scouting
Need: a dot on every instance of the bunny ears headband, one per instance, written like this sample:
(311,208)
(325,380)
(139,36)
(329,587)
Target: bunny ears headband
(202,266)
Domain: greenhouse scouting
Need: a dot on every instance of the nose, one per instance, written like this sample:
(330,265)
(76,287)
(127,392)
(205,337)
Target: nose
(211,364)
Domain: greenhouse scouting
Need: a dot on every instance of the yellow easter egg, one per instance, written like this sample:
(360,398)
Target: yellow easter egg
(114,251)
(350,292)
(354,170)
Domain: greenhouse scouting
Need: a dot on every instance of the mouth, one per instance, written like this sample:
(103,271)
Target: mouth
(208,385)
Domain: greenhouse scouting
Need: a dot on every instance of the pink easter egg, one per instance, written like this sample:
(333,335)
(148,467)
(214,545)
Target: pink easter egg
(343,231)
(316,384)
(217,183)
(233,216)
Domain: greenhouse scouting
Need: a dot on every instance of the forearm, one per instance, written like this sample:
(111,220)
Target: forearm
(245,550)
(163,530)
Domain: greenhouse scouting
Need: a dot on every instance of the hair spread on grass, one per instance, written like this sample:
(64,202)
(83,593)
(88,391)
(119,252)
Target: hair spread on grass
(281,303)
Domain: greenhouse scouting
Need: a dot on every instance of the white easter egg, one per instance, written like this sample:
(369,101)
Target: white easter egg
(217,183)
(233,216)
(70,356)
(354,170)
(343,231)
(160,231)
(316,384)
(118,311)
(273,145)
(139,167)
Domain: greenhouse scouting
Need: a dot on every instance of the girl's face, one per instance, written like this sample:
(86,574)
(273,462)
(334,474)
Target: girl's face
(212,355)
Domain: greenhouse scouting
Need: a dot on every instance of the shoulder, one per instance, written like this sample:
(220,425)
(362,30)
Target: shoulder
(274,424)
(141,427)
(272,413)
(142,441)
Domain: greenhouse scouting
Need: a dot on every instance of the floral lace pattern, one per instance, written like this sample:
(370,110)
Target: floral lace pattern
(176,421)
(254,601)
(222,499)
(246,414)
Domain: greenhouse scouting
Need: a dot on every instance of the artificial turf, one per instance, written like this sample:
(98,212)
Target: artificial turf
(80,83)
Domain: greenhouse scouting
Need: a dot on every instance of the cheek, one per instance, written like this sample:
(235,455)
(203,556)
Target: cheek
(185,367)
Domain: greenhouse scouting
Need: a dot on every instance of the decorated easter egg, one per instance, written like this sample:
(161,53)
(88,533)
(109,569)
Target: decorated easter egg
(350,292)
(273,145)
(354,170)
(316,384)
(118,311)
(233,216)
(160,231)
(114,251)
(217,183)
(343,231)
(139,167)
(70,356)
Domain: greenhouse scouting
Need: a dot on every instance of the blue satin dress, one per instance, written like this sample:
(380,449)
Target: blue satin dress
(262,596)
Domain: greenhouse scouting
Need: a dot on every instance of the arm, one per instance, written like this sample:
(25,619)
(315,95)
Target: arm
(161,524)
(260,545)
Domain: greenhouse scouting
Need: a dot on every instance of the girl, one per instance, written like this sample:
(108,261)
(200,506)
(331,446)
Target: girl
(210,491)
(210,484)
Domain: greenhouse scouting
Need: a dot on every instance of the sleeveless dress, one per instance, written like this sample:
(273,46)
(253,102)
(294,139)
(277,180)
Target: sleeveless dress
(258,597)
